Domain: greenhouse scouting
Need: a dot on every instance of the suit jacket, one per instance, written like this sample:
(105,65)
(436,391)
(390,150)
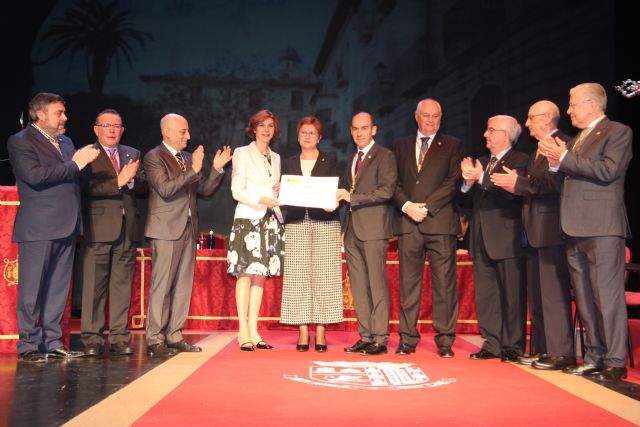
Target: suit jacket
(592,197)
(436,184)
(173,192)
(370,214)
(498,212)
(250,180)
(326,165)
(540,189)
(102,201)
(48,187)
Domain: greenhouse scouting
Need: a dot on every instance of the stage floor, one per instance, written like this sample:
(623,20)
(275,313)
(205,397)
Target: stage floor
(117,391)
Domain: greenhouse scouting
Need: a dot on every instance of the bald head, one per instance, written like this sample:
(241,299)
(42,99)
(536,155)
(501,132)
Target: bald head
(175,131)
(542,118)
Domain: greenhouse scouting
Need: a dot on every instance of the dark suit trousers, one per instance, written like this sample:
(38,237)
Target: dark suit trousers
(171,285)
(107,268)
(596,265)
(366,261)
(441,249)
(549,296)
(500,301)
(45,278)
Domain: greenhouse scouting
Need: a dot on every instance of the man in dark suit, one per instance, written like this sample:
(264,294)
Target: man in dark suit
(175,179)
(47,169)
(371,178)
(108,248)
(548,286)
(593,216)
(428,180)
(496,244)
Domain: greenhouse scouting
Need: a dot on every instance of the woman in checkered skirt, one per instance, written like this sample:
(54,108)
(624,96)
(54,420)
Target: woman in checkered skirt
(312,284)
(257,237)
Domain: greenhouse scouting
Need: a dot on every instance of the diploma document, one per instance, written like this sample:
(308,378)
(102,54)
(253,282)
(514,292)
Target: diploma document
(308,191)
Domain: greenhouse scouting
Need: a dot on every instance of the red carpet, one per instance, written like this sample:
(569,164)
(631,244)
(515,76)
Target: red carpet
(247,389)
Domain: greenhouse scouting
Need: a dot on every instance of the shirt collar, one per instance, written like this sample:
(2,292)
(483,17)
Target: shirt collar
(172,150)
(366,149)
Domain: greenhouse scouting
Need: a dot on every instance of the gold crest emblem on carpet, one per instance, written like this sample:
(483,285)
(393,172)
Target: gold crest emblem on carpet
(11,271)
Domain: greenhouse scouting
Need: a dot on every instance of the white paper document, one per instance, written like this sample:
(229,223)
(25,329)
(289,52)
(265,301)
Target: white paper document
(308,191)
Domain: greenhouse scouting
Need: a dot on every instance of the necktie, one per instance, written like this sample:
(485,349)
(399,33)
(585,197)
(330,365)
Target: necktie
(423,150)
(492,163)
(358,163)
(112,156)
(580,138)
(181,162)
(56,144)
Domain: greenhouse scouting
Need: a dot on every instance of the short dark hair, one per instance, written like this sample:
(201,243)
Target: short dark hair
(41,101)
(108,111)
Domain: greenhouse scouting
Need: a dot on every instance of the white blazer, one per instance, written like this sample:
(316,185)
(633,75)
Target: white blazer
(250,181)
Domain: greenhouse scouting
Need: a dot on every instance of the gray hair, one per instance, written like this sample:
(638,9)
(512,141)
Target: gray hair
(41,101)
(594,91)
(514,129)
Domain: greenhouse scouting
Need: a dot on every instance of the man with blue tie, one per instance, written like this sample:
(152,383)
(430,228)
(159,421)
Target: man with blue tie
(108,248)
(496,244)
(47,168)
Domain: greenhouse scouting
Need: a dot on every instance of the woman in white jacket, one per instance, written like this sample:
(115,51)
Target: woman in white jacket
(256,242)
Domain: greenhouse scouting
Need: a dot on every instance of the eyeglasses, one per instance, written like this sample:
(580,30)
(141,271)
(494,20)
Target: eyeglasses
(575,104)
(531,116)
(109,125)
(305,133)
(492,130)
(429,116)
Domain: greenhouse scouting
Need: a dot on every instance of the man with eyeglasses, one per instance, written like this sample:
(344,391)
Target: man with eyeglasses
(593,217)
(427,222)
(47,169)
(496,244)
(108,248)
(548,286)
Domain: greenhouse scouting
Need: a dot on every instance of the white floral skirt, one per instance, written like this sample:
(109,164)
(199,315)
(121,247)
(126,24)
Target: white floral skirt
(256,246)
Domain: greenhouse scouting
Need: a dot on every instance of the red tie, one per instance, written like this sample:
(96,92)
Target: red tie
(358,163)
(114,161)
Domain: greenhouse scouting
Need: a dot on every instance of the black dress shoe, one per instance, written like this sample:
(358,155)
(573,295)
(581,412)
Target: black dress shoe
(92,350)
(263,346)
(374,349)
(120,349)
(357,347)
(161,350)
(63,353)
(554,363)
(528,360)
(184,346)
(510,356)
(32,356)
(581,370)
(445,352)
(405,349)
(609,374)
(483,355)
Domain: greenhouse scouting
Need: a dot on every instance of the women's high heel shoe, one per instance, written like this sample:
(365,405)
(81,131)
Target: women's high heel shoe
(247,346)
(263,346)
(320,348)
(302,347)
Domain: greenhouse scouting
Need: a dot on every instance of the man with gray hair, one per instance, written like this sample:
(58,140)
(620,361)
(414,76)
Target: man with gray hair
(593,217)
(548,286)
(496,244)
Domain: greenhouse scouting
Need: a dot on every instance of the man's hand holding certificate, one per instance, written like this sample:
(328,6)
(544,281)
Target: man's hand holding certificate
(309,191)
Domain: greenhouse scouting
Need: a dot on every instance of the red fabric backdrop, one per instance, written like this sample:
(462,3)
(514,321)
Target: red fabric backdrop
(213,299)
(9,281)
